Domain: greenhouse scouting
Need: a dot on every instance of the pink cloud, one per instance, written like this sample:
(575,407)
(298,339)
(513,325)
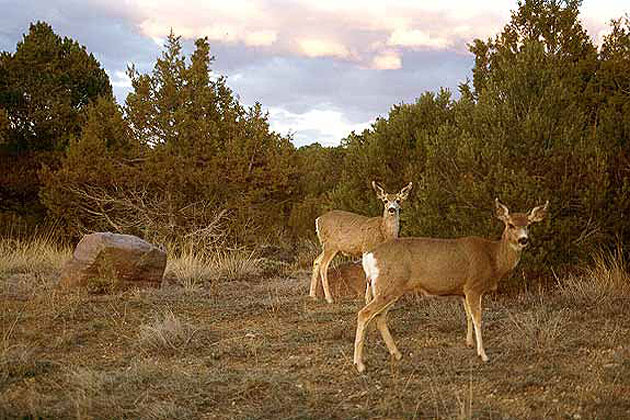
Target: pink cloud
(371,33)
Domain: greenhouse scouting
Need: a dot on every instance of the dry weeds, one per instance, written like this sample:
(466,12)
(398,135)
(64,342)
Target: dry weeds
(166,333)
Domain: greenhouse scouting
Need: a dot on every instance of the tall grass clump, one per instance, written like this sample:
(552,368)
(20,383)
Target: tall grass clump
(190,271)
(606,280)
(193,269)
(38,254)
(166,333)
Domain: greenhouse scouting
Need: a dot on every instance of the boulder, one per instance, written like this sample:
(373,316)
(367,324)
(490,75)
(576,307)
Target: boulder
(107,261)
(345,280)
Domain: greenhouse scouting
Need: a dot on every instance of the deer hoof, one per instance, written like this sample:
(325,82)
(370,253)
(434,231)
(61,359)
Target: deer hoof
(484,358)
(329,300)
(360,367)
(397,355)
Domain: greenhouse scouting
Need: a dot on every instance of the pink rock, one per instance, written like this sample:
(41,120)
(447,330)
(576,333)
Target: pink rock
(114,261)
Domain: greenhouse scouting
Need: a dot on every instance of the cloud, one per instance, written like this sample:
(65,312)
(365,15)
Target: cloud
(363,32)
(326,126)
(416,38)
(261,38)
(313,47)
(388,60)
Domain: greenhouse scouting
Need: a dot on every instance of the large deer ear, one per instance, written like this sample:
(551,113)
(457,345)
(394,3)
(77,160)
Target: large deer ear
(538,213)
(380,192)
(501,211)
(404,193)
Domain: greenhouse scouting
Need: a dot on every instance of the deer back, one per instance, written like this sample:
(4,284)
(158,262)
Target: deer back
(350,233)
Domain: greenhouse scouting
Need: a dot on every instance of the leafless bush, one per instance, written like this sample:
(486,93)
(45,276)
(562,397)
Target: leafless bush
(155,216)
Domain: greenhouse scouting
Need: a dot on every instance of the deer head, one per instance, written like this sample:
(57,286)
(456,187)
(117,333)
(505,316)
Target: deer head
(392,202)
(516,225)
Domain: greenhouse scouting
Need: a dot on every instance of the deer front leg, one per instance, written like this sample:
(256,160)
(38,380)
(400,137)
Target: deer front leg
(469,327)
(365,315)
(474,304)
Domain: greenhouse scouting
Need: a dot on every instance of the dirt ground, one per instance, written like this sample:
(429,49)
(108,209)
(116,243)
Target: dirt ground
(261,349)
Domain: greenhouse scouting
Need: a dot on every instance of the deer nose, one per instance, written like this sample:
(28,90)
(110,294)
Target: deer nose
(523,241)
(391,210)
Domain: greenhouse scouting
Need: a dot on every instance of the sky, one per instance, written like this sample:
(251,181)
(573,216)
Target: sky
(321,68)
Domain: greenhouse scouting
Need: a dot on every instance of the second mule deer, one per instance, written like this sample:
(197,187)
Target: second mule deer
(353,234)
(467,267)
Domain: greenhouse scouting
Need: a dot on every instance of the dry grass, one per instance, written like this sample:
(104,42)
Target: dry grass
(194,272)
(166,333)
(604,282)
(40,254)
(256,347)
(30,265)
(190,272)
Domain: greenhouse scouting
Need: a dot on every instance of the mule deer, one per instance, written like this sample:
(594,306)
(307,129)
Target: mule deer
(353,234)
(467,267)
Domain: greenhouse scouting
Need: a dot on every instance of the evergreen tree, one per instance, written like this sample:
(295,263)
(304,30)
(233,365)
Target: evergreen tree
(44,87)
(84,193)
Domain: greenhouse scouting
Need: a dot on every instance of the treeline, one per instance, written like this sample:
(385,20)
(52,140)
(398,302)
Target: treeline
(545,116)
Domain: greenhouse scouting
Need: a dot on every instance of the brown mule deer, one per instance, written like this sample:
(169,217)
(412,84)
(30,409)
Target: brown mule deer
(353,234)
(467,267)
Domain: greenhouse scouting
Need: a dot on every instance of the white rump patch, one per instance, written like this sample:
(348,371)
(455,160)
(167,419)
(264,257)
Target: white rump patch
(370,267)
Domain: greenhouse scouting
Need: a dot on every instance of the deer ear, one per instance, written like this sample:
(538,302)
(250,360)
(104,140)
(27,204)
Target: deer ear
(501,211)
(380,193)
(538,213)
(404,193)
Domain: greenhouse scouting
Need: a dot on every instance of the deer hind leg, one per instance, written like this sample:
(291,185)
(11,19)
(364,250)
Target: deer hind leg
(469,327)
(381,323)
(364,317)
(474,305)
(327,257)
(315,276)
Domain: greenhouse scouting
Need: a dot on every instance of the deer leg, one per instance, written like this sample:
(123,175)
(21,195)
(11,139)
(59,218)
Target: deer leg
(325,262)
(469,327)
(315,277)
(365,315)
(474,305)
(381,323)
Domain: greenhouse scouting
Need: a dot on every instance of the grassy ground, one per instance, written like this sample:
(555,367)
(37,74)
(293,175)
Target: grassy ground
(231,339)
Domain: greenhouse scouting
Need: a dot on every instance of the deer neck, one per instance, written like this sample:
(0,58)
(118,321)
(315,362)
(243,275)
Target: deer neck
(390,224)
(508,256)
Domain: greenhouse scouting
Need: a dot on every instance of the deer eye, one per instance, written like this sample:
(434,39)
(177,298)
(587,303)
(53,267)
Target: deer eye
(511,225)
(398,201)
